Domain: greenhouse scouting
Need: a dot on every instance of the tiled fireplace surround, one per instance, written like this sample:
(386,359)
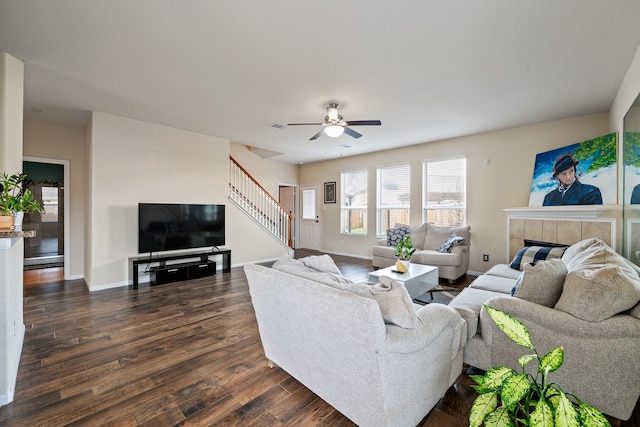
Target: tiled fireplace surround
(565,224)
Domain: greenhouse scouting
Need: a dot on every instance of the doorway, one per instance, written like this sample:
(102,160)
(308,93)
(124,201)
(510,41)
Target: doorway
(287,196)
(46,179)
(310,221)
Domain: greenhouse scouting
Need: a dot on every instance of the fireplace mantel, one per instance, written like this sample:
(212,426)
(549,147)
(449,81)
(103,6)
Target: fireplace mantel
(563,212)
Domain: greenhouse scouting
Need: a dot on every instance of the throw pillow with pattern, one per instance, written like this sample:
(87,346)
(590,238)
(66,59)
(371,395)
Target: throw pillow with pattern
(397,234)
(453,240)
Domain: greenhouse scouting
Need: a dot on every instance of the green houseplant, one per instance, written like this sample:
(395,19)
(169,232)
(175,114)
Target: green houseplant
(508,398)
(14,198)
(404,249)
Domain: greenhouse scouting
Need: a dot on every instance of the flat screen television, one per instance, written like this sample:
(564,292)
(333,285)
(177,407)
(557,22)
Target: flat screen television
(172,226)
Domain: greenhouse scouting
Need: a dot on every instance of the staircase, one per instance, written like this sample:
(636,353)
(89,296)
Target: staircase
(259,205)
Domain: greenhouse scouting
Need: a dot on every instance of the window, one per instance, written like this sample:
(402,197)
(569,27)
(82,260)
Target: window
(353,201)
(309,204)
(394,198)
(444,191)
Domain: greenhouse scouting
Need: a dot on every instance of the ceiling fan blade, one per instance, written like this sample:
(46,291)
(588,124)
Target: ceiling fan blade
(317,135)
(304,124)
(365,123)
(352,132)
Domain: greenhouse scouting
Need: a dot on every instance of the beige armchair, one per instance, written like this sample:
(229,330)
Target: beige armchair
(428,239)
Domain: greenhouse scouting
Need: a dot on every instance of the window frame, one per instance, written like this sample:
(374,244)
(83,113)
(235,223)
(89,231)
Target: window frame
(380,196)
(426,207)
(347,210)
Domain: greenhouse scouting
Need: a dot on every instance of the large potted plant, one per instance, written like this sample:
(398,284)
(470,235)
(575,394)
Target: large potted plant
(508,398)
(15,200)
(404,250)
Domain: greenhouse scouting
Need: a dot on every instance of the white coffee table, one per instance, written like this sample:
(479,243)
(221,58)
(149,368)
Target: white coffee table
(418,280)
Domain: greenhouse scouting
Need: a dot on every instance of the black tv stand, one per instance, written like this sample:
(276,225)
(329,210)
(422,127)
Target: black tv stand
(199,268)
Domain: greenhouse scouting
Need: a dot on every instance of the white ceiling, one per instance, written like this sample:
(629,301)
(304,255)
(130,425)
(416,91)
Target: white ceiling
(429,70)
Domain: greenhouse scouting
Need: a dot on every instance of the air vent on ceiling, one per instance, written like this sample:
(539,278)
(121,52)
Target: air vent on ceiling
(277,126)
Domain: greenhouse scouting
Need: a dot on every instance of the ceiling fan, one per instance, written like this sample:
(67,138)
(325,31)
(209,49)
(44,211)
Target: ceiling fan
(334,124)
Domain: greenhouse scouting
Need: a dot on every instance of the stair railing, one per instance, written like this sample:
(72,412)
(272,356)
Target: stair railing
(246,193)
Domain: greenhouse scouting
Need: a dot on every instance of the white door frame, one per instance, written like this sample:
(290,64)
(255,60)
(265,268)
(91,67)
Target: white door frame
(67,209)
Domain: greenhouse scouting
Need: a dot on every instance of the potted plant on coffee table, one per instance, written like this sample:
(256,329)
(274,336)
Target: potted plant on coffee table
(404,250)
(509,398)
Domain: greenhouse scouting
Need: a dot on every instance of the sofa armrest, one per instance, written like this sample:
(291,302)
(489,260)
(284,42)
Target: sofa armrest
(382,242)
(433,320)
(460,249)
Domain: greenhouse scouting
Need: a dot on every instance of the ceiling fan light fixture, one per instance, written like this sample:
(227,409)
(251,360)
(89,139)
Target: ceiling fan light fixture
(334,131)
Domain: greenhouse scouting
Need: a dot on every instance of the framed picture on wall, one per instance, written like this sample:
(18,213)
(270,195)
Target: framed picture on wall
(330,192)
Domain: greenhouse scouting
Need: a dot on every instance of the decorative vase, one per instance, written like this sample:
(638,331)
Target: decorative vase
(6,222)
(402,265)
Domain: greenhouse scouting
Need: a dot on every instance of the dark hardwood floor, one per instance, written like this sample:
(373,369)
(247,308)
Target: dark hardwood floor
(179,354)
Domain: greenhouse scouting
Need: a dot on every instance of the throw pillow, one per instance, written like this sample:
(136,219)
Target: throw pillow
(541,283)
(436,235)
(596,295)
(321,263)
(396,234)
(326,278)
(393,300)
(453,240)
(530,254)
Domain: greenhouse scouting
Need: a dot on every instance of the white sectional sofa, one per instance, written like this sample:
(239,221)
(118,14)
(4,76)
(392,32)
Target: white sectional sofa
(365,349)
(428,239)
(586,301)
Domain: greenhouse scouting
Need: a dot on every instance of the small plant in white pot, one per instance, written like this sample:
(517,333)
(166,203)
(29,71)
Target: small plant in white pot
(404,250)
(15,200)
(508,398)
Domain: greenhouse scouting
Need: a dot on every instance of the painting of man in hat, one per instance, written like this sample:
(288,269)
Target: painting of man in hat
(584,173)
(570,191)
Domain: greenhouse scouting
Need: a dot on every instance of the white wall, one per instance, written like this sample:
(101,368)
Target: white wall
(502,183)
(63,142)
(131,162)
(11,259)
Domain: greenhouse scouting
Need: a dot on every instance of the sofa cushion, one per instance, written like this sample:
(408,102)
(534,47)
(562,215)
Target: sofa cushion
(392,298)
(418,234)
(440,259)
(541,283)
(453,240)
(503,270)
(435,236)
(493,283)
(468,304)
(397,234)
(596,295)
(533,254)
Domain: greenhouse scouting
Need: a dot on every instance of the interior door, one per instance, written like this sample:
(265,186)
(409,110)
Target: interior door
(310,218)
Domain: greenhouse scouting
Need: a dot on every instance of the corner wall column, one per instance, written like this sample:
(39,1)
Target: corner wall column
(11,255)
